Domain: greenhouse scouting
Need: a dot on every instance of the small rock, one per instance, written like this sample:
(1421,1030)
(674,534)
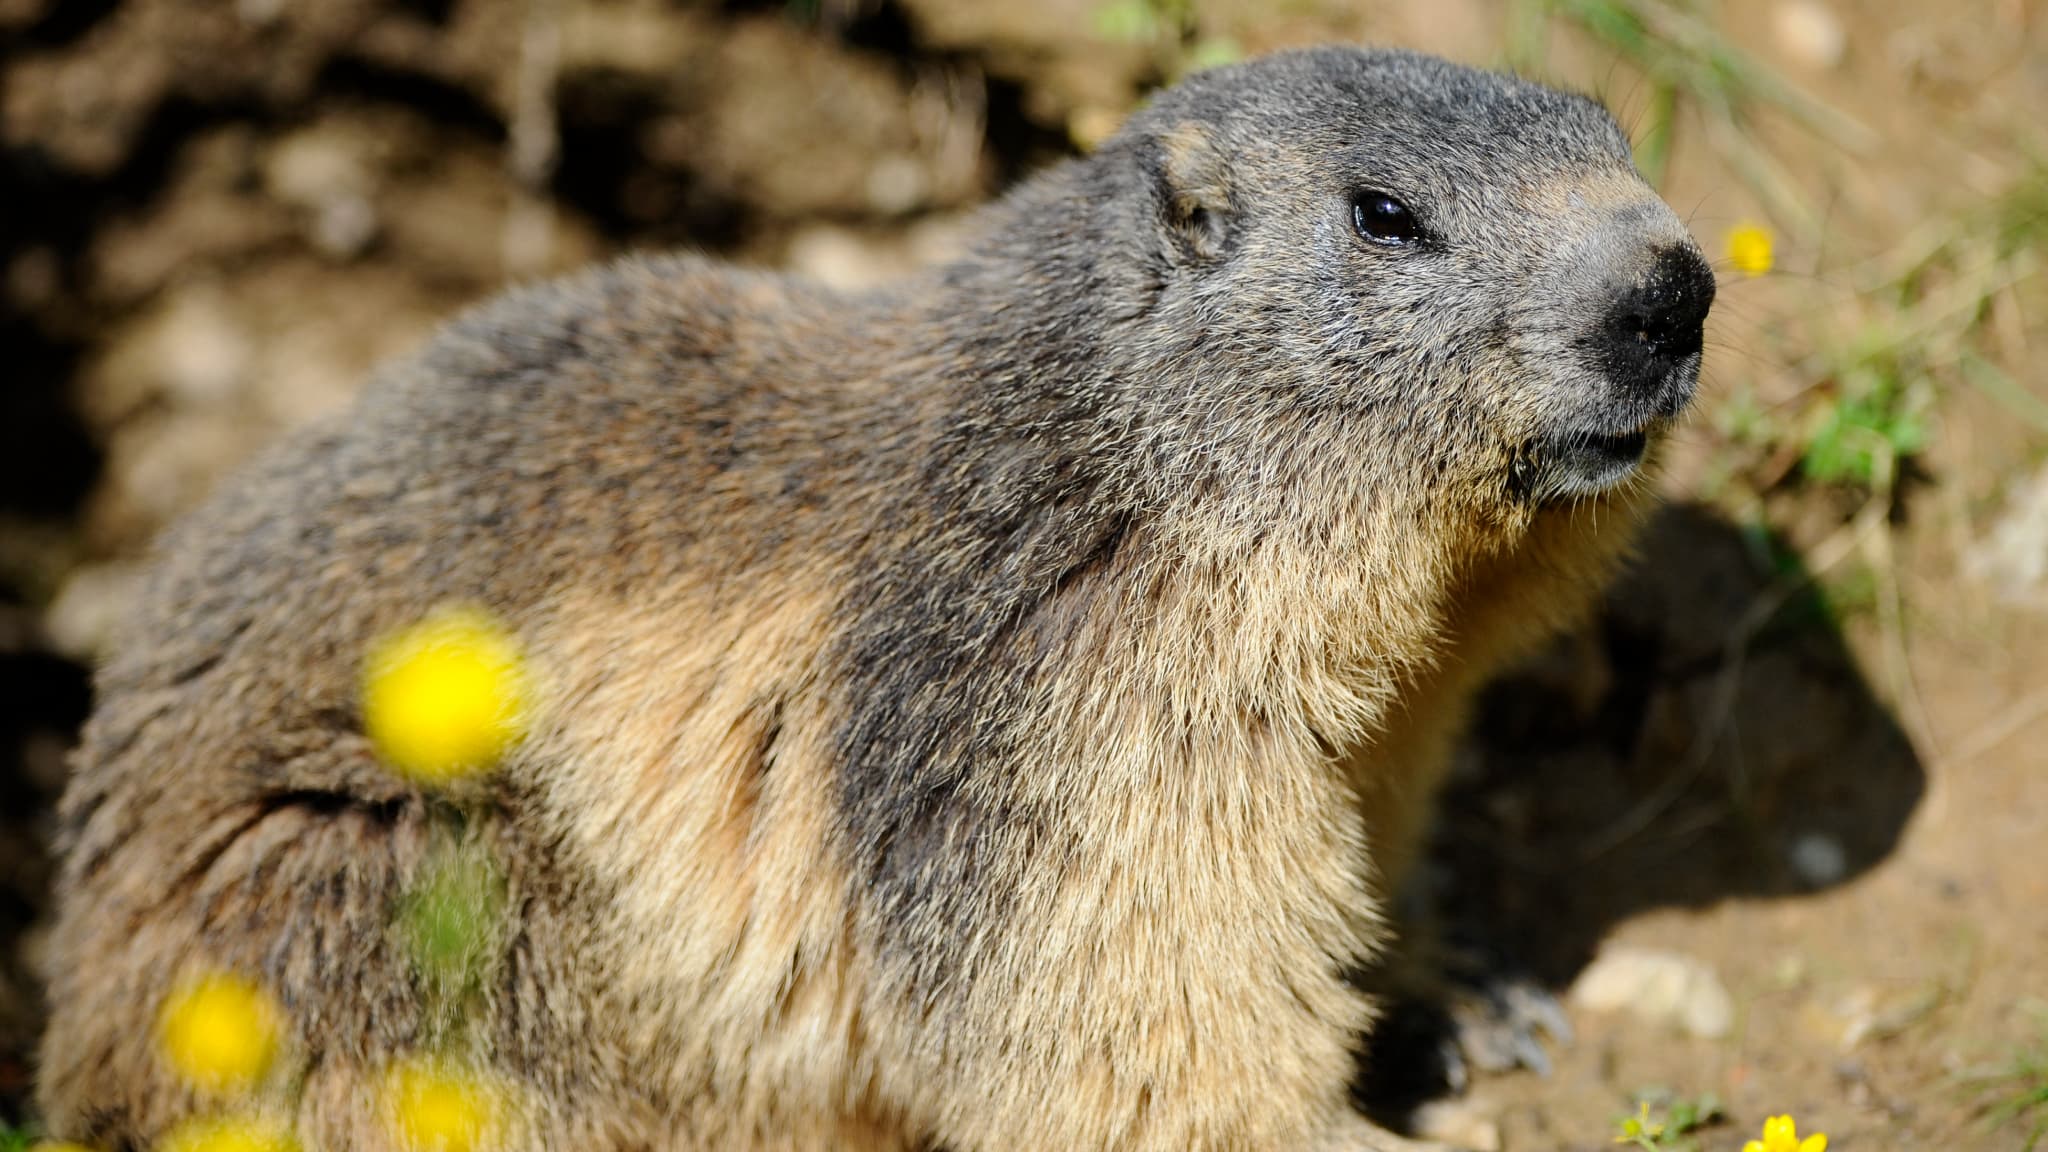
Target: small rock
(82,617)
(1789,972)
(259,13)
(1810,34)
(647,39)
(325,173)
(1657,986)
(847,259)
(2013,559)
(896,184)
(1870,1014)
(1818,859)
(1459,1123)
(313,164)
(201,350)
(343,226)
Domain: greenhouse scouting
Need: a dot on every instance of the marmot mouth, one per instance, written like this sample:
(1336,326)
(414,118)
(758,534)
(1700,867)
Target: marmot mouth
(1626,449)
(1579,463)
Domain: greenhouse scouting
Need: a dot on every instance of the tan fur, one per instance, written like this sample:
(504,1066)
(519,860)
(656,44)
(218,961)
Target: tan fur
(660,722)
(1501,609)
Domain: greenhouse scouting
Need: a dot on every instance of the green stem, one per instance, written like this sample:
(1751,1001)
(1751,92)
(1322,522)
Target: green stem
(1653,154)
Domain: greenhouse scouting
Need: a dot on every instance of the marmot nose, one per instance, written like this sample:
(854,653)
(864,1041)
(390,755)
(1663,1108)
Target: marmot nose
(1656,324)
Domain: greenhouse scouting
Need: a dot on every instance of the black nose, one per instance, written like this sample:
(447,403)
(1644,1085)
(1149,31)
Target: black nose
(1655,326)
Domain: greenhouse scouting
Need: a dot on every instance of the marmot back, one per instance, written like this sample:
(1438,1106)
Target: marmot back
(983,714)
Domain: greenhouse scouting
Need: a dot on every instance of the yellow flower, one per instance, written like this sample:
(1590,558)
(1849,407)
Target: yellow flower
(1639,1128)
(219,1031)
(439,1109)
(1780,1135)
(228,1134)
(1749,248)
(447,697)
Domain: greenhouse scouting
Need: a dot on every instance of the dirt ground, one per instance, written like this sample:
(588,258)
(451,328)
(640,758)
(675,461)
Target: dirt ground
(1803,751)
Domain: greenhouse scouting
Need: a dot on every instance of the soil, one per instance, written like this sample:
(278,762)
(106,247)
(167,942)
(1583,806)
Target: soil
(215,218)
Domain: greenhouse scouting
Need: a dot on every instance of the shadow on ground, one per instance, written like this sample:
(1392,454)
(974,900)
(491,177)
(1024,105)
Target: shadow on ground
(1707,736)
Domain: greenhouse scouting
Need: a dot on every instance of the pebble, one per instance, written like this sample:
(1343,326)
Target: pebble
(201,350)
(1459,1123)
(2013,559)
(82,617)
(1819,859)
(1810,34)
(328,176)
(896,184)
(1659,987)
(1868,1013)
(845,258)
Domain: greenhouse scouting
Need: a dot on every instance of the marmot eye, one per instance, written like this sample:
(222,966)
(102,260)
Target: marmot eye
(1384,220)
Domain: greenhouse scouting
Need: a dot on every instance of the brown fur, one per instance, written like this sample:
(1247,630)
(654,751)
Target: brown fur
(984,715)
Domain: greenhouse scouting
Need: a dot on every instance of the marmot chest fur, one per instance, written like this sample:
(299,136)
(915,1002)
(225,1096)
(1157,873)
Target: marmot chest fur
(985,714)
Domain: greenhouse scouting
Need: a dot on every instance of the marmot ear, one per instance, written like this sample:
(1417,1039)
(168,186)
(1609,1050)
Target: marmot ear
(1193,194)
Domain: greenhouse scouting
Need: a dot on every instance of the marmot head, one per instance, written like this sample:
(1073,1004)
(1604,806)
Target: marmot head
(1387,261)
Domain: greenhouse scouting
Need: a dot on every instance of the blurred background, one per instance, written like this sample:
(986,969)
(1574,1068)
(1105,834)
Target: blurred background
(1774,823)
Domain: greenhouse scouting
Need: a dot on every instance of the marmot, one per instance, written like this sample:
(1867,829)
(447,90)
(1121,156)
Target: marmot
(987,713)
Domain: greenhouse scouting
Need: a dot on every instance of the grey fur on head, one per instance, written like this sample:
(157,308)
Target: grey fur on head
(1213,235)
